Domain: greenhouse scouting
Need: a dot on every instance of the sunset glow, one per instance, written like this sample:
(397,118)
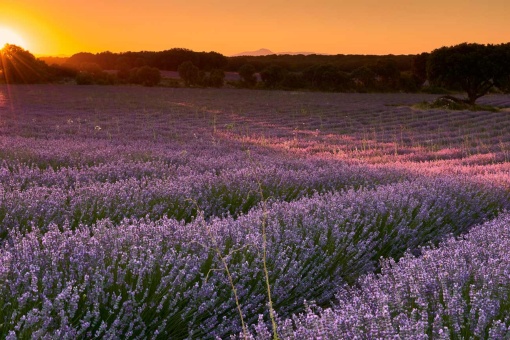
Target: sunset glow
(8,36)
(54,27)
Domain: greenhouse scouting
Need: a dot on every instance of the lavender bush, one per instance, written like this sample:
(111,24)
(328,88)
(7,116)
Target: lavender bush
(111,278)
(120,205)
(35,198)
(460,290)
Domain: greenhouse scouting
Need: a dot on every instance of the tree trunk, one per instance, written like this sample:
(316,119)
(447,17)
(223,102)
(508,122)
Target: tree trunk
(472,97)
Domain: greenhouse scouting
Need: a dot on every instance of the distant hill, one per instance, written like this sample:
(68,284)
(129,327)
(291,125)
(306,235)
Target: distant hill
(265,51)
(260,52)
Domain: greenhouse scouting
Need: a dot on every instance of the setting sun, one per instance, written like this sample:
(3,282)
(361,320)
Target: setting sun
(8,36)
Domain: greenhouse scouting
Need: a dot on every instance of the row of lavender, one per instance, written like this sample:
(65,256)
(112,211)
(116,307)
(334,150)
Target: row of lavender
(143,278)
(460,290)
(39,187)
(367,125)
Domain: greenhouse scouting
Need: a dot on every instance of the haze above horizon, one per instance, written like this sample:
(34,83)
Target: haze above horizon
(58,27)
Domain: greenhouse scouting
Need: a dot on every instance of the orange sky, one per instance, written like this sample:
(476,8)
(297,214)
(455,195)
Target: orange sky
(54,27)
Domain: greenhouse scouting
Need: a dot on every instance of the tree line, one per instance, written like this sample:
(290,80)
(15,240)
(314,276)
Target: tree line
(168,60)
(474,69)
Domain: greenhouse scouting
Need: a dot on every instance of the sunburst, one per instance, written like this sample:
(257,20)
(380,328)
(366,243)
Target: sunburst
(9,36)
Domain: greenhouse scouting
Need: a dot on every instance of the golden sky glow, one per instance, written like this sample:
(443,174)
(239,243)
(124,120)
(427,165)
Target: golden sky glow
(55,27)
(8,36)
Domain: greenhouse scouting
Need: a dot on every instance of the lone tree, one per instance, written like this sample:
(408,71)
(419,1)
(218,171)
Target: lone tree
(475,68)
(148,76)
(189,73)
(247,74)
(216,78)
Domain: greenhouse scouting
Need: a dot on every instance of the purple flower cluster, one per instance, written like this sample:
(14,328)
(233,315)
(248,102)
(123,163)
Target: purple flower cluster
(460,290)
(115,203)
(33,197)
(142,277)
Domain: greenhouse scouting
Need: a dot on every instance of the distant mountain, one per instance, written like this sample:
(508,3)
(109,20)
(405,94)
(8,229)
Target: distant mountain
(265,51)
(262,51)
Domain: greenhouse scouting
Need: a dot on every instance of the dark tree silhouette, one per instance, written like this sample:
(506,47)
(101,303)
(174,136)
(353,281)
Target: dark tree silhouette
(61,72)
(209,61)
(364,78)
(164,60)
(298,63)
(79,58)
(106,60)
(293,81)
(388,74)
(20,66)
(89,67)
(475,68)
(503,80)
(189,73)
(326,77)
(148,76)
(419,68)
(247,74)
(216,78)
(91,73)
(171,59)
(273,75)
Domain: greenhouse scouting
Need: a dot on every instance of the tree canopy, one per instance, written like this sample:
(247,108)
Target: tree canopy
(20,66)
(474,68)
(247,74)
(189,73)
(147,76)
(273,75)
(163,60)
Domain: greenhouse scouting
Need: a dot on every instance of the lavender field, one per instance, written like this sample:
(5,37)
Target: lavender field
(121,209)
